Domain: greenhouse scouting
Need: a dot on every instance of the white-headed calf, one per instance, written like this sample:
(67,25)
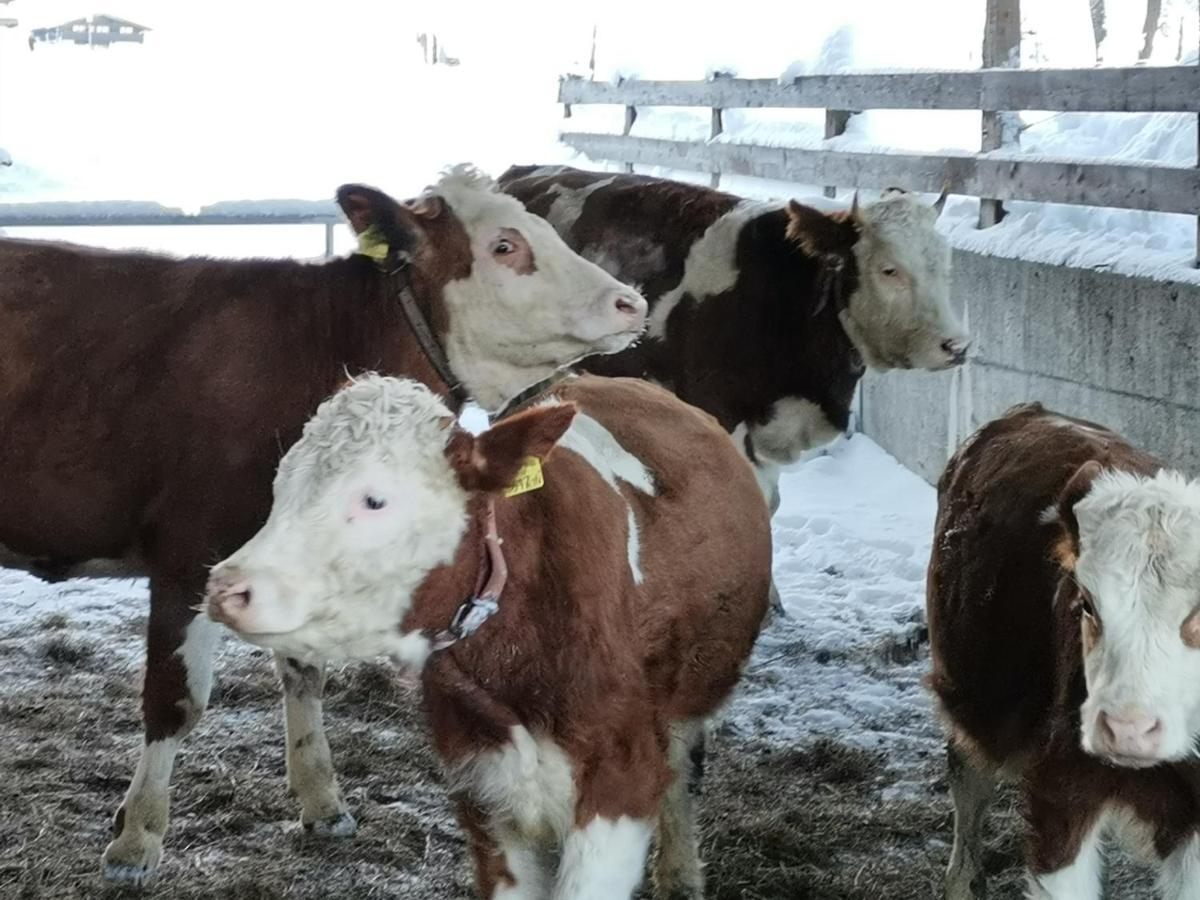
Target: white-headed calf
(566,692)
(1064,616)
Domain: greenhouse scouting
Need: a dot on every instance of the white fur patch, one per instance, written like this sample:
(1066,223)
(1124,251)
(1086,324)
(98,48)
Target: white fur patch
(199,645)
(1080,879)
(633,541)
(795,425)
(567,207)
(1180,878)
(604,453)
(711,264)
(527,787)
(603,861)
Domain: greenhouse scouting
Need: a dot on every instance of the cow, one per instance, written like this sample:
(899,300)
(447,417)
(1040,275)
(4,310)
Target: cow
(145,403)
(763,314)
(567,713)
(1064,619)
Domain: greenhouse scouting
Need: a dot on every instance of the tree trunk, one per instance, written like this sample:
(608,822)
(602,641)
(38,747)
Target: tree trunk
(1150,28)
(1099,28)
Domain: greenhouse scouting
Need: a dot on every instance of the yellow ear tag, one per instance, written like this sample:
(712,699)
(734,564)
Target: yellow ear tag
(371,243)
(529,478)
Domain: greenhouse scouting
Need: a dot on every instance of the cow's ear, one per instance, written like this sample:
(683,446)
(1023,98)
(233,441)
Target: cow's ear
(378,219)
(491,461)
(1077,488)
(818,233)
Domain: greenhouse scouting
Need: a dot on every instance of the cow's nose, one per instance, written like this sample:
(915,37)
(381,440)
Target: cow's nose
(229,596)
(631,305)
(956,350)
(1133,734)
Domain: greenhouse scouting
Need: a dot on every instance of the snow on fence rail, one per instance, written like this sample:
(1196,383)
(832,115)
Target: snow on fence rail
(230,212)
(995,175)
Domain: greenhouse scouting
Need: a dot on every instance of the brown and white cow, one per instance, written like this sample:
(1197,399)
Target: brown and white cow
(763,314)
(1064,616)
(145,402)
(636,581)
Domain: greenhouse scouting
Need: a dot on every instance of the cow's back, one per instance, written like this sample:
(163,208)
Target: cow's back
(703,533)
(992,574)
(131,384)
(639,228)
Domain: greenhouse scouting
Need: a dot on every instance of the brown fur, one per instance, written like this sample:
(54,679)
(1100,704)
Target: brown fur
(581,653)
(1004,621)
(146,401)
(773,335)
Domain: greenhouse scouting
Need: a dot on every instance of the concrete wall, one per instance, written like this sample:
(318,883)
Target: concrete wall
(1121,351)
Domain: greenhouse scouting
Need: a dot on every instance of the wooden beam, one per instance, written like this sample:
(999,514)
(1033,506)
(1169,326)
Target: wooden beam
(1146,89)
(1001,49)
(1125,186)
(835,124)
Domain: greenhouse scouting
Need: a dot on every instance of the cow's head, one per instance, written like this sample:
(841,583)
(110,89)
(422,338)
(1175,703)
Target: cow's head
(510,301)
(372,498)
(1133,545)
(899,317)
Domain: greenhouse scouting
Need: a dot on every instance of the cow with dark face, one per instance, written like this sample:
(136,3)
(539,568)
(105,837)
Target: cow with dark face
(145,402)
(763,314)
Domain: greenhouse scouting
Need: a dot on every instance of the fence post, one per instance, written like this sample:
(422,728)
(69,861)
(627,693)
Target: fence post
(835,124)
(630,118)
(717,126)
(1001,50)
(329,240)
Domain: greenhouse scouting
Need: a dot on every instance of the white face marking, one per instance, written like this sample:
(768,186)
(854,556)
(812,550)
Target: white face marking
(366,504)
(711,264)
(900,316)
(568,203)
(604,860)
(527,787)
(795,425)
(510,329)
(1139,562)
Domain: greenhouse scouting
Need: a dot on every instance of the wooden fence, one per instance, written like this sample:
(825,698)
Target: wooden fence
(995,175)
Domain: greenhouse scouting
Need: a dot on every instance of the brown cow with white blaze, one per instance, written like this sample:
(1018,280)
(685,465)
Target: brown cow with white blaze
(145,401)
(636,581)
(763,314)
(1064,616)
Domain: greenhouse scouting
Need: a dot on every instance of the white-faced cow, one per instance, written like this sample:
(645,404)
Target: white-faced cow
(762,314)
(144,402)
(623,605)
(1064,615)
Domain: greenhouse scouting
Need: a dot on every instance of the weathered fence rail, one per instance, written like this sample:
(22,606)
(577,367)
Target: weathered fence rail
(999,173)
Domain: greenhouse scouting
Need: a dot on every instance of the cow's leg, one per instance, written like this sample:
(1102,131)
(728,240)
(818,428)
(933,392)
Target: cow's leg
(179,665)
(603,860)
(505,867)
(767,476)
(678,872)
(971,790)
(1066,858)
(310,773)
(1180,878)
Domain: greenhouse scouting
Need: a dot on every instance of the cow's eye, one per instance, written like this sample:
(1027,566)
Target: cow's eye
(1087,607)
(889,271)
(374,503)
(503,247)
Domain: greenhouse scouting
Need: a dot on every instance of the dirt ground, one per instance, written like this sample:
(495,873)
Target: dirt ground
(821,821)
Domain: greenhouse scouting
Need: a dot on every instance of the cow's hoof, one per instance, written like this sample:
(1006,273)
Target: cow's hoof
(341,826)
(128,862)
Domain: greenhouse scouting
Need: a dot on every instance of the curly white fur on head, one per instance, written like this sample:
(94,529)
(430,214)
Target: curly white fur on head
(1139,562)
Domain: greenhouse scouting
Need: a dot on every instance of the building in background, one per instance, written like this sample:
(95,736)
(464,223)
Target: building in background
(98,31)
